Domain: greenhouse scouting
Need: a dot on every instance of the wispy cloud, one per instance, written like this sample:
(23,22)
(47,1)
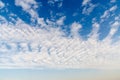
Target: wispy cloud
(88,7)
(2,4)
(85,2)
(112,1)
(52,3)
(108,12)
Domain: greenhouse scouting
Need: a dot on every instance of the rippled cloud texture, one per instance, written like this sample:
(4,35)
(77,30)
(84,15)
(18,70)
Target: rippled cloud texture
(43,44)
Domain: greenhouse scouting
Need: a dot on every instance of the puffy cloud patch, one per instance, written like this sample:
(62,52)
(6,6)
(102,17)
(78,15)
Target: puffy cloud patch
(94,33)
(75,27)
(44,46)
(88,7)
(61,21)
(114,28)
(23,46)
(30,7)
(107,13)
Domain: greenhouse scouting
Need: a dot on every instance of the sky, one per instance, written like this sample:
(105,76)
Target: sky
(59,34)
(68,74)
(43,36)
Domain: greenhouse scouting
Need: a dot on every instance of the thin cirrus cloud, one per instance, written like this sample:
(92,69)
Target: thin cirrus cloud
(26,46)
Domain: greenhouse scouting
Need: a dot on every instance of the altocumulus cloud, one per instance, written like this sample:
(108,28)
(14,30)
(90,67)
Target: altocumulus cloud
(25,46)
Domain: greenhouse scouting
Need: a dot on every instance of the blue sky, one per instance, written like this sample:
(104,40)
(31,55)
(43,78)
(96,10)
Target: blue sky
(59,34)
(73,11)
(68,74)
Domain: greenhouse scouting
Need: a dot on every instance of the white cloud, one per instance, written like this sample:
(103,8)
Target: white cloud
(52,3)
(88,10)
(2,20)
(94,33)
(2,4)
(117,18)
(26,4)
(107,13)
(24,46)
(114,28)
(113,8)
(29,6)
(41,22)
(112,1)
(88,7)
(61,21)
(75,27)
(85,2)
